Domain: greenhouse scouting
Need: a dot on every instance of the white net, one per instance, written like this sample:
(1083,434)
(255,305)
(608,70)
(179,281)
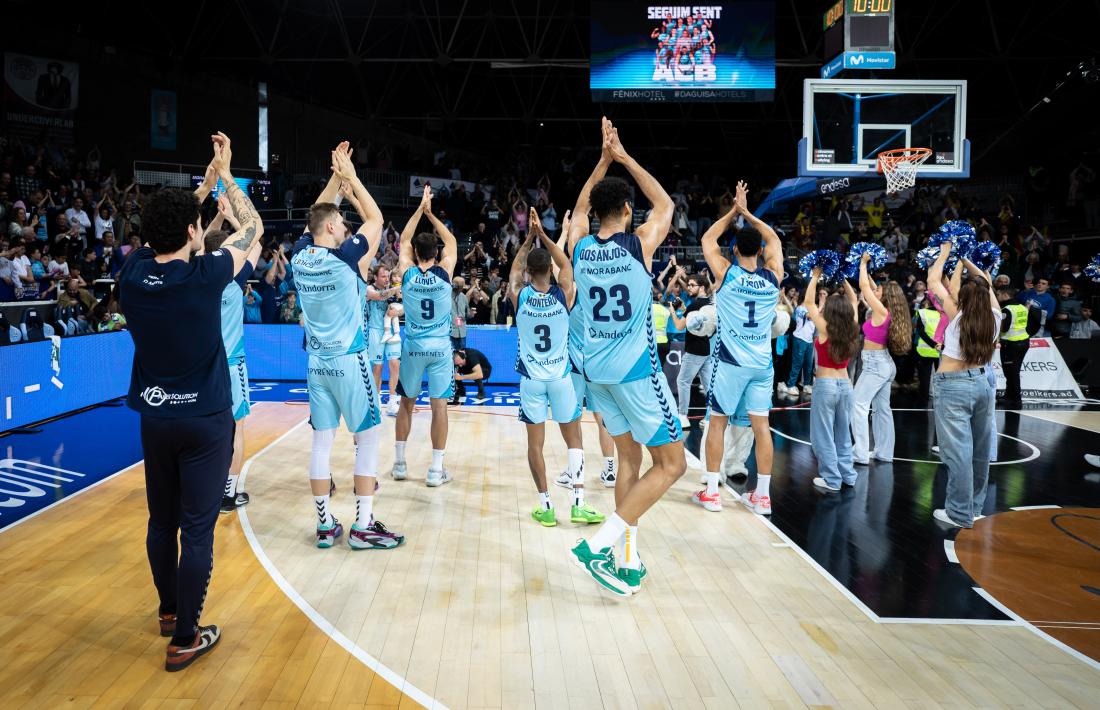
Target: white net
(900,167)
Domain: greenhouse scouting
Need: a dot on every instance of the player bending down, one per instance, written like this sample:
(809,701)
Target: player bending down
(327,265)
(742,379)
(542,319)
(612,272)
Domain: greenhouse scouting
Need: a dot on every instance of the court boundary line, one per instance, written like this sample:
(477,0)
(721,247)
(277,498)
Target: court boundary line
(1087,660)
(327,627)
(1048,421)
(848,594)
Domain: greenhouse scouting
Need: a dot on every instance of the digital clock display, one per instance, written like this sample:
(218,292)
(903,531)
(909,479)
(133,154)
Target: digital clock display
(870,7)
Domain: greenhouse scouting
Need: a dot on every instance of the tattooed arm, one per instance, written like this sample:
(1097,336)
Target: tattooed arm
(240,242)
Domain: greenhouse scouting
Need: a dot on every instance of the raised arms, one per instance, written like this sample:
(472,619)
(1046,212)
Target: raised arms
(332,189)
(935,282)
(712,250)
(878,311)
(580,224)
(364,204)
(773,247)
(519,265)
(251,227)
(450,244)
(405,255)
(655,229)
(561,261)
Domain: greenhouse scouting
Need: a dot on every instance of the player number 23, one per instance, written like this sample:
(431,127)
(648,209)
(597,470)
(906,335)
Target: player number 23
(620,312)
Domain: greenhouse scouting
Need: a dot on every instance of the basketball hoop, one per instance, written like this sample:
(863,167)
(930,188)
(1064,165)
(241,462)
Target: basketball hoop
(900,167)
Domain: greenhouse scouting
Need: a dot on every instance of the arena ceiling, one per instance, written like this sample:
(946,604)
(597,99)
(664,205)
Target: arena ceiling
(486,73)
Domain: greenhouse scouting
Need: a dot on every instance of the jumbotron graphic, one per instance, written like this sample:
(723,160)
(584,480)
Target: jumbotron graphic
(683,53)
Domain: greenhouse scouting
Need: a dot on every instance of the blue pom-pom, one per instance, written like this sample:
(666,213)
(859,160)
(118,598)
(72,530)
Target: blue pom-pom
(959,232)
(850,269)
(928,255)
(825,259)
(1093,269)
(987,256)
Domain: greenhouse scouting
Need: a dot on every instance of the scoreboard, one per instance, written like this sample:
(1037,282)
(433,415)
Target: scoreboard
(859,34)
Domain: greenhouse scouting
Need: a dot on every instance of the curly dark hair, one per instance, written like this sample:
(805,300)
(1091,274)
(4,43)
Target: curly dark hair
(609,197)
(165,217)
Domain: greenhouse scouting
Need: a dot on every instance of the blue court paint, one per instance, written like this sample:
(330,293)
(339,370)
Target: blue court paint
(64,458)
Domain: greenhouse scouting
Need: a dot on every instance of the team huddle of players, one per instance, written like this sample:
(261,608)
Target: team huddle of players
(684,41)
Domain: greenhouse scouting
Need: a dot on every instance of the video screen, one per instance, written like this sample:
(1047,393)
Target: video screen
(657,53)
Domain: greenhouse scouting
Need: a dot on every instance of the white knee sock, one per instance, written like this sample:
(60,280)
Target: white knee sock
(319,455)
(364,510)
(612,529)
(399,452)
(324,517)
(576,465)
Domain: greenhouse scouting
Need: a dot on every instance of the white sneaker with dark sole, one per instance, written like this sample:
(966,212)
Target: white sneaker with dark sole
(564,480)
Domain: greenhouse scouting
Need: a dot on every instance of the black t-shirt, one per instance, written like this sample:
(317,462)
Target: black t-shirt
(696,344)
(173,312)
(473,359)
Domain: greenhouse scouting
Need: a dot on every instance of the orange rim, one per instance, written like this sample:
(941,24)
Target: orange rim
(890,158)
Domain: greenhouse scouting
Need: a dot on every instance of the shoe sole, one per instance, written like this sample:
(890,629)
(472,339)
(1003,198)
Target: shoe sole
(437,484)
(587,521)
(567,486)
(601,585)
(400,477)
(607,484)
(545,525)
(377,547)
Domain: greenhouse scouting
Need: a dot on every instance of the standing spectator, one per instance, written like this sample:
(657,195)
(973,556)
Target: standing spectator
(549,218)
(802,350)
(696,358)
(79,218)
(875,211)
(7,277)
(291,312)
(1086,327)
(23,281)
(1018,323)
(460,307)
(478,302)
(1068,312)
(1039,297)
(272,288)
(252,301)
(104,221)
(58,268)
(28,182)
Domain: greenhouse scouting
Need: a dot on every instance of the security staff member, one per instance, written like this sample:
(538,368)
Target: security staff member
(1019,324)
(180,386)
(470,364)
(928,350)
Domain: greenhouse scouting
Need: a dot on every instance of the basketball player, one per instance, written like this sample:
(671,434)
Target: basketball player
(328,263)
(232,313)
(426,292)
(612,271)
(391,353)
(542,320)
(576,336)
(180,387)
(376,303)
(742,379)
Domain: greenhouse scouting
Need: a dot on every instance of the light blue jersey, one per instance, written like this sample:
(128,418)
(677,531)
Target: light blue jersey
(576,338)
(614,291)
(233,315)
(746,303)
(327,281)
(374,312)
(427,299)
(542,320)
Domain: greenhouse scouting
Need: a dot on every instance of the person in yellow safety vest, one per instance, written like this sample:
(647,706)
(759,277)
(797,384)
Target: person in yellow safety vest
(928,350)
(660,324)
(1019,324)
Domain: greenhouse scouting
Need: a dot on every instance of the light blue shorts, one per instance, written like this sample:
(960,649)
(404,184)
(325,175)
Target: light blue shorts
(238,385)
(735,390)
(580,387)
(375,347)
(644,407)
(342,385)
(535,396)
(433,357)
(391,351)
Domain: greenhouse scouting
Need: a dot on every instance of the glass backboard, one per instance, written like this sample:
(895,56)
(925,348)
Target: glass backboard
(848,122)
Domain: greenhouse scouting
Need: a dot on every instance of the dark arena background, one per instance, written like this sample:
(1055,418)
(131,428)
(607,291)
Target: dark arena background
(876,557)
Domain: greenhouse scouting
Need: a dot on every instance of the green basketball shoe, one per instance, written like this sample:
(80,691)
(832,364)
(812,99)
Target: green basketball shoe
(585,514)
(544,517)
(601,566)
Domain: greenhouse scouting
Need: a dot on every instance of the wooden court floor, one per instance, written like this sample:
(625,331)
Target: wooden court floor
(480,608)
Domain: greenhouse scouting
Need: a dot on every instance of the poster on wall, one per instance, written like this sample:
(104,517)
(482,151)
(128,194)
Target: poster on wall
(162,129)
(1044,374)
(40,97)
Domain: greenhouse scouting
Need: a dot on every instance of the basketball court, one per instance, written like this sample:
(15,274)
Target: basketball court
(853,599)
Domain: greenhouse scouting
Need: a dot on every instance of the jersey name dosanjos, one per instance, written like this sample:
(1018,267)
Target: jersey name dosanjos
(427,299)
(327,282)
(542,320)
(614,289)
(746,303)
